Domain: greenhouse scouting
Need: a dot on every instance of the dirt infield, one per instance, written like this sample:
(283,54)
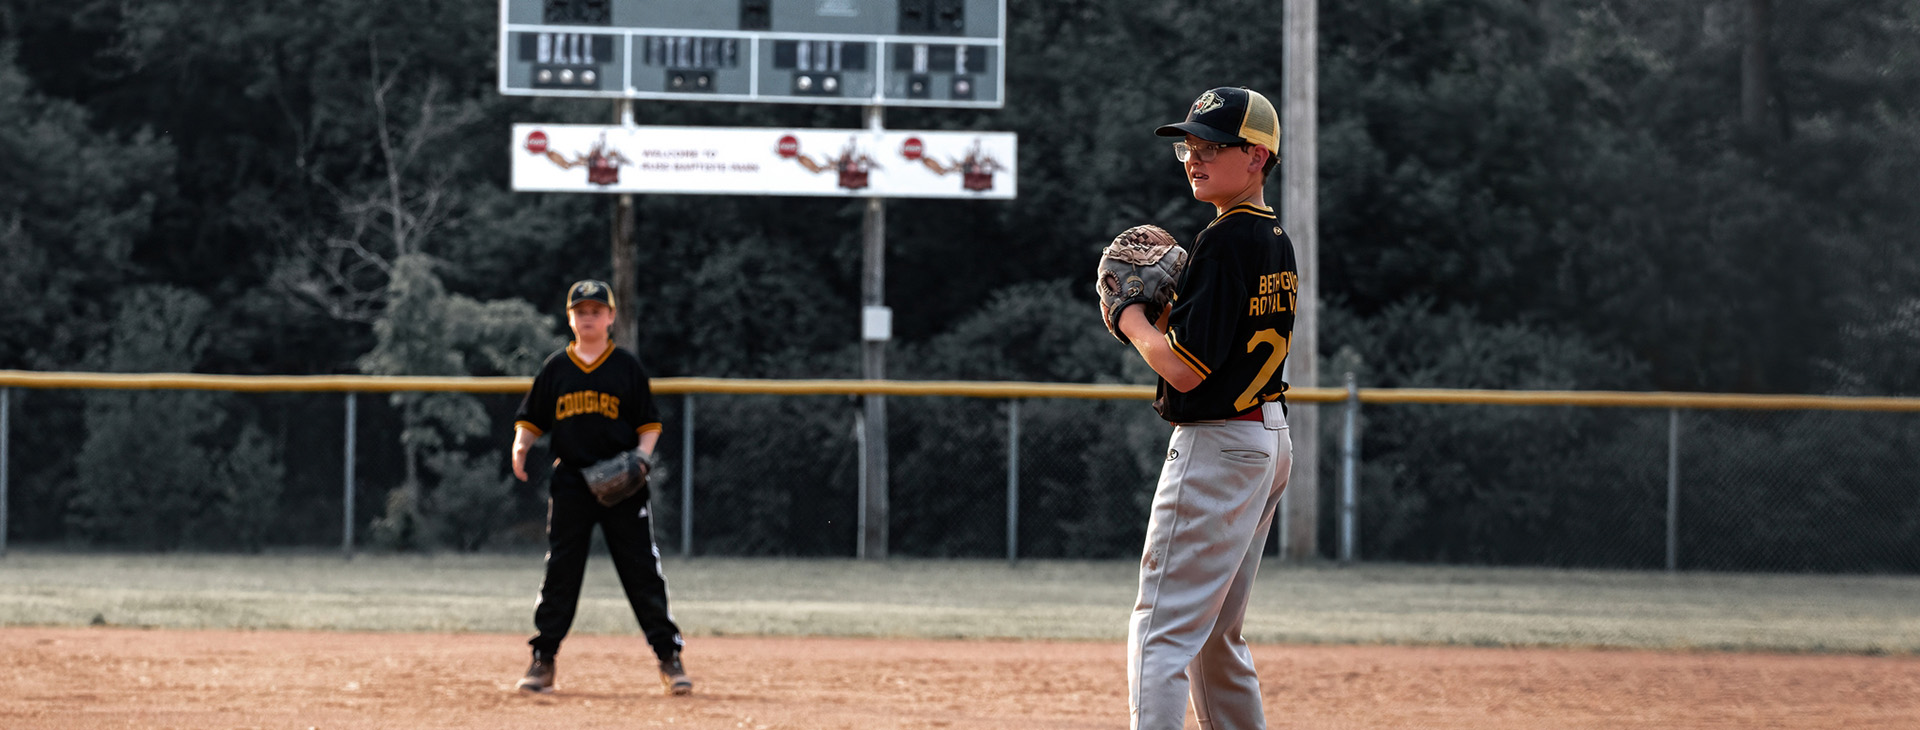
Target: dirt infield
(114,677)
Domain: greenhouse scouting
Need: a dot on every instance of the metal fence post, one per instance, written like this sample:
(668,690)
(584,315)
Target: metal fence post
(6,403)
(1013,480)
(1673,489)
(346,499)
(1349,474)
(686,480)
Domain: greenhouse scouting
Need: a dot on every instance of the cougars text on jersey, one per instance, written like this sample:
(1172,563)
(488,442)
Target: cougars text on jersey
(584,402)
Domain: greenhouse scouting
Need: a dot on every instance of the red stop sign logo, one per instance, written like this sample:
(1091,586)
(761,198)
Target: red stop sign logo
(537,142)
(789,146)
(912,148)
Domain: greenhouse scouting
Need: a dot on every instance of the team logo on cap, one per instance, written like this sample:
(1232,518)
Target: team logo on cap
(588,289)
(1208,102)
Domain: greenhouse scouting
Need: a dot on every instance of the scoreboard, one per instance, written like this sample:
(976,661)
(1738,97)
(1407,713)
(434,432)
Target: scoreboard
(933,53)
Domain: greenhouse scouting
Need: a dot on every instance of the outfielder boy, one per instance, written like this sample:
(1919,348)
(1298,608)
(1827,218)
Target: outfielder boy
(595,401)
(1218,347)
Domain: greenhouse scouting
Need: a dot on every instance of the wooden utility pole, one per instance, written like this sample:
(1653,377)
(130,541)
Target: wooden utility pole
(876,327)
(626,277)
(1299,214)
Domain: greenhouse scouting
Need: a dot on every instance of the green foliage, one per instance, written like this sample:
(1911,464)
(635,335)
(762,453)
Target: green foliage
(1415,344)
(74,204)
(159,469)
(251,482)
(403,523)
(741,303)
(1877,354)
(1582,161)
(1799,491)
(777,475)
(473,502)
(1088,467)
(427,331)
(1034,331)
(1572,161)
(1541,485)
(145,470)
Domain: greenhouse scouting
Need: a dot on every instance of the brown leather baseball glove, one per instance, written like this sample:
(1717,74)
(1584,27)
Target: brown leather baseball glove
(618,478)
(1141,266)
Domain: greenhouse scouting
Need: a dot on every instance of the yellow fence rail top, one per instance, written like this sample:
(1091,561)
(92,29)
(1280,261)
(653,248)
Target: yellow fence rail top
(968,389)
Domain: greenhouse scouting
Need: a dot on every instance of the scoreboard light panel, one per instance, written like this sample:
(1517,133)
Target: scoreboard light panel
(935,53)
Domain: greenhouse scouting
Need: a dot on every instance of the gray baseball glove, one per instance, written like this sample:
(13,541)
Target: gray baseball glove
(617,478)
(1141,266)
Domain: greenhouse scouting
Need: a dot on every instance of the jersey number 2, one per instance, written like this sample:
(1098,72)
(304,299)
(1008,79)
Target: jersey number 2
(1278,354)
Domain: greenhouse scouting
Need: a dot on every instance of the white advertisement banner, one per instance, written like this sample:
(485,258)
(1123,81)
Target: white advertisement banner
(855,163)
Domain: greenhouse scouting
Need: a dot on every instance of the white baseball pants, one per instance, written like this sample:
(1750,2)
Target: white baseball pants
(1211,513)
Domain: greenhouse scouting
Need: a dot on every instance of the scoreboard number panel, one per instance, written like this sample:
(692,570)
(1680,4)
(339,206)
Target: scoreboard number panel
(859,52)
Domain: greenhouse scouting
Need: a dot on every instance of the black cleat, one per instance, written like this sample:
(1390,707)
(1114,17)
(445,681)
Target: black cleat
(674,676)
(539,675)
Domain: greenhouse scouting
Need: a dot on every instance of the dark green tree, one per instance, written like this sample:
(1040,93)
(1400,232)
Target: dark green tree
(452,487)
(74,203)
(160,468)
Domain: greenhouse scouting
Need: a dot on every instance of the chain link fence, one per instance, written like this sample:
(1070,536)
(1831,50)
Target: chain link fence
(1799,490)
(1504,485)
(1813,491)
(1792,489)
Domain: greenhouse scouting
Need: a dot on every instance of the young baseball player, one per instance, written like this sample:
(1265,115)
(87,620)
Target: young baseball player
(593,400)
(1219,352)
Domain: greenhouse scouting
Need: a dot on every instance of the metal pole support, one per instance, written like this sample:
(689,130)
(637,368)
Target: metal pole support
(1013,481)
(346,489)
(1673,489)
(686,482)
(1350,475)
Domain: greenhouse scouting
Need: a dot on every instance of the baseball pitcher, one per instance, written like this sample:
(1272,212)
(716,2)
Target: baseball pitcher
(1218,339)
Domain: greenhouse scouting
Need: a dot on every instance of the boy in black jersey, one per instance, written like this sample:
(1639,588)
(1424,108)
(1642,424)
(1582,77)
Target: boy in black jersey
(594,400)
(1219,352)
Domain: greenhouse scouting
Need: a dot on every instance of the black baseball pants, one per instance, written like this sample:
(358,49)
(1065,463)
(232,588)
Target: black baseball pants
(628,526)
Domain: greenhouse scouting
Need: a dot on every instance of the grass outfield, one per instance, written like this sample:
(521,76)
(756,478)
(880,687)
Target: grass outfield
(1369,604)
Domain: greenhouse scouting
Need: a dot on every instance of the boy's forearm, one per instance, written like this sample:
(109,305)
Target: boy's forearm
(647,441)
(1152,346)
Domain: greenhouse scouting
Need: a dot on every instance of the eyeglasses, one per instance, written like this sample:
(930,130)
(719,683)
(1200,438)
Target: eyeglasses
(1206,152)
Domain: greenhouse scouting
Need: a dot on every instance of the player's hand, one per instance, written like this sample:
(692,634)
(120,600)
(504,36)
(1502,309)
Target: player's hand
(520,464)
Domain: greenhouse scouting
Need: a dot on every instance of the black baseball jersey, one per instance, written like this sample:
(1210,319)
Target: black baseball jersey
(1232,317)
(593,409)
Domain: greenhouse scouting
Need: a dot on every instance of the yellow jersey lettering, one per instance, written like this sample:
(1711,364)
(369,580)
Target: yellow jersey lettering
(1276,293)
(585,402)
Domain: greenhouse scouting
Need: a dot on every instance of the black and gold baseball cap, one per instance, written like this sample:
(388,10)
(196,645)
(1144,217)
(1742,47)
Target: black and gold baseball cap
(1229,115)
(589,290)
